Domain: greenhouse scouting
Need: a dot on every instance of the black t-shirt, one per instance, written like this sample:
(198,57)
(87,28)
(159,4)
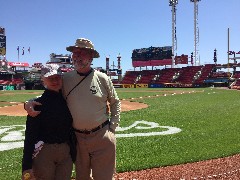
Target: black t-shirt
(52,125)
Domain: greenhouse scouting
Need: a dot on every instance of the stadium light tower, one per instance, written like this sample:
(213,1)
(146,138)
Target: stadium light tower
(196,32)
(173,3)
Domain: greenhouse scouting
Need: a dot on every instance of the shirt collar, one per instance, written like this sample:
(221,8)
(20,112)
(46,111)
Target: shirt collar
(85,74)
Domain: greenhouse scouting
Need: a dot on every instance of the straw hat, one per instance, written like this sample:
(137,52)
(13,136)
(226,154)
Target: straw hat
(83,43)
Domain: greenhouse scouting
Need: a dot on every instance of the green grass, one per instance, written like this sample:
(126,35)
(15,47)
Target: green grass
(10,161)
(18,95)
(145,92)
(209,120)
(209,126)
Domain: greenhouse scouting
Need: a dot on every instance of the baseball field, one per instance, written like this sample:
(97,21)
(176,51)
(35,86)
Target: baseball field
(159,128)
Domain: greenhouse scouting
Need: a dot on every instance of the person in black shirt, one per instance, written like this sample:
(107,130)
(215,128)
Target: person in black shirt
(47,153)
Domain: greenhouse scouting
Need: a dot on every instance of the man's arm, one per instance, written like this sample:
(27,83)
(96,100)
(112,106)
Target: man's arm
(115,106)
(29,107)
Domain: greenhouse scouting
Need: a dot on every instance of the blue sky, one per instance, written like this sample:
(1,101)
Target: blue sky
(48,26)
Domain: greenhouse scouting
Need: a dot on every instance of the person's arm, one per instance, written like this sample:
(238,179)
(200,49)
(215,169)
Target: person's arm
(115,106)
(31,137)
(29,107)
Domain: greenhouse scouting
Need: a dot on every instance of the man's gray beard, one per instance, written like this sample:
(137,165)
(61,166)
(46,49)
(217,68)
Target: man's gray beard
(76,66)
(79,67)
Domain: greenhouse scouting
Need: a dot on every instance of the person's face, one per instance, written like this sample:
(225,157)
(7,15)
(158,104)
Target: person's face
(82,59)
(53,82)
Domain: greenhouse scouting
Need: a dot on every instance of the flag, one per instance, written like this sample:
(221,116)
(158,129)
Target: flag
(29,50)
(18,50)
(23,51)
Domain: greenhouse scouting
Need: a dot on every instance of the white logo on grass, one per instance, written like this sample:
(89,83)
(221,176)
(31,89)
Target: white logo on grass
(12,137)
(147,125)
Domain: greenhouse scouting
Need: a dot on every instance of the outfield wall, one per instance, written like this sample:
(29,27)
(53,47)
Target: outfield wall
(7,87)
(130,85)
(165,85)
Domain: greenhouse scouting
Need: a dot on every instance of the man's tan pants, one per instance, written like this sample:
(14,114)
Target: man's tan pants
(96,151)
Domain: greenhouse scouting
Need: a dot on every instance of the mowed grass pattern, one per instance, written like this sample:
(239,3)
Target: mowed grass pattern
(209,120)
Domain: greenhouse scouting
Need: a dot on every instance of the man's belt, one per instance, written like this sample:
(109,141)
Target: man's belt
(92,130)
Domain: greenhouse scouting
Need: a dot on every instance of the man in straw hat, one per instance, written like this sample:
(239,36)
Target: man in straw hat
(87,93)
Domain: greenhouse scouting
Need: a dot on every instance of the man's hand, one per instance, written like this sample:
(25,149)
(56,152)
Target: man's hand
(28,175)
(29,107)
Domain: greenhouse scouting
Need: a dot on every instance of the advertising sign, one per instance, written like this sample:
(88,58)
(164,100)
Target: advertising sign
(18,64)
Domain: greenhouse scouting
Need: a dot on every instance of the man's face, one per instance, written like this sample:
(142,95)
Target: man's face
(82,59)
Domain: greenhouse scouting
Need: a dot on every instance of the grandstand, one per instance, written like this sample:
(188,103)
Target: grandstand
(12,75)
(17,76)
(189,76)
